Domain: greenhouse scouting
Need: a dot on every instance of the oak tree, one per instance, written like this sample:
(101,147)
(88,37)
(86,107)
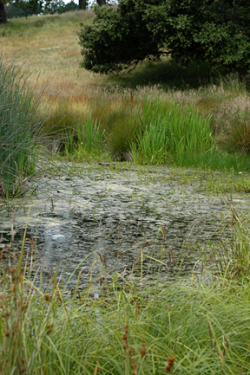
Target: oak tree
(216,31)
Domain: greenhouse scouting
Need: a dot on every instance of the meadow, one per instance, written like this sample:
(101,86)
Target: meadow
(211,111)
(159,114)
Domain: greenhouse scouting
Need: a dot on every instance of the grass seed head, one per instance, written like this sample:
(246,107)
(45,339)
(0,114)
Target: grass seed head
(143,351)
(47,297)
(170,364)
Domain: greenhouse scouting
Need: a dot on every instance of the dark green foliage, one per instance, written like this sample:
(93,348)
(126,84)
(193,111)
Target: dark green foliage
(23,8)
(53,6)
(214,31)
(70,7)
(191,30)
(117,38)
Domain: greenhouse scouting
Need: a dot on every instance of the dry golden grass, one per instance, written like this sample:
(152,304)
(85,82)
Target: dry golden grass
(50,52)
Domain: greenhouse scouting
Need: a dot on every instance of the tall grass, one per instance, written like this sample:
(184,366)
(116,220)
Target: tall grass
(237,137)
(75,135)
(91,136)
(232,258)
(170,132)
(181,328)
(150,132)
(123,132)
(20,123)
(86,137)
(178,134)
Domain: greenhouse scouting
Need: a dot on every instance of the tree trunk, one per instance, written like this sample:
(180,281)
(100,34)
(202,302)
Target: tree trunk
(81,2)
(101,2)
(3,18)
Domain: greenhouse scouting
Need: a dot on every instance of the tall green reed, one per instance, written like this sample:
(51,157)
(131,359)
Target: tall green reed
(169,132)
(91,136)
(20,123)
(85,136)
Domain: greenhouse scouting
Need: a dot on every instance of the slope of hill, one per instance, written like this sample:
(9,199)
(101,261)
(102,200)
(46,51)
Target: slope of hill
(47,46)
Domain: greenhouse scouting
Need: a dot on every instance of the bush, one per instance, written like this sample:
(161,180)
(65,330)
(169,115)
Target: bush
(20,124)
(213,31)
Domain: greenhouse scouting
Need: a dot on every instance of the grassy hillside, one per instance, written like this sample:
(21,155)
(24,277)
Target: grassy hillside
(30,43)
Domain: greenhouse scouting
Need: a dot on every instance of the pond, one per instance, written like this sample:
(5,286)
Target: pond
(113,215)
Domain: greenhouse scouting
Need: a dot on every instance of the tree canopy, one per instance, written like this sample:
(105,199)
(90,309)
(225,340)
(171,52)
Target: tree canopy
(189,30)
(21,8)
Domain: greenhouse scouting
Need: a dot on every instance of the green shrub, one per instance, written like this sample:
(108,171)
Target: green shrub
(23,8)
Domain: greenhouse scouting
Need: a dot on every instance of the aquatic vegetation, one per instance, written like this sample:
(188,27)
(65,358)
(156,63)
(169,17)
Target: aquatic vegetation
(169,132)
(85,137)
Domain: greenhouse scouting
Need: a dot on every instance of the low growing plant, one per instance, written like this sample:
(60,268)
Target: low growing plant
(232,258)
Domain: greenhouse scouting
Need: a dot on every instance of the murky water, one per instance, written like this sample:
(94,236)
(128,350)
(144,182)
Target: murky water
(113,217)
